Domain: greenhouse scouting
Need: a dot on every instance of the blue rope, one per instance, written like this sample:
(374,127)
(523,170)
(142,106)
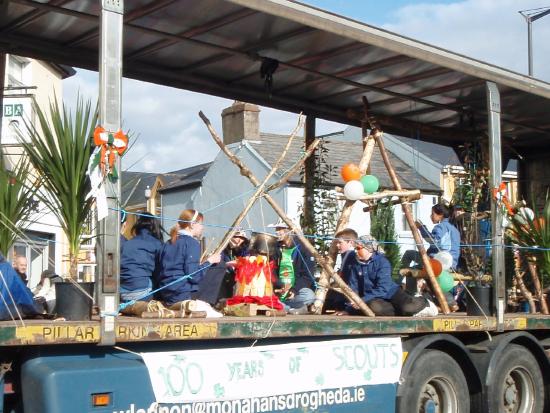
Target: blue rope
(122,306)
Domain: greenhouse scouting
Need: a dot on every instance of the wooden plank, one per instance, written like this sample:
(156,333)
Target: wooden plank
(128,329)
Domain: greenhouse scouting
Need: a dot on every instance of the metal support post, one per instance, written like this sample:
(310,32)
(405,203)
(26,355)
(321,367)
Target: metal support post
(110,92)
(3,63)
(309,176)
(530,45)
(495,156)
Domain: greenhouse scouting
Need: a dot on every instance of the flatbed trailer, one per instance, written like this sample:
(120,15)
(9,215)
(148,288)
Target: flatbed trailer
(460,362)
(450,363)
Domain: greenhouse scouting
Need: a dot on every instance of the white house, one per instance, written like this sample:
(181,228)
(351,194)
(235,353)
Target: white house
(27,79)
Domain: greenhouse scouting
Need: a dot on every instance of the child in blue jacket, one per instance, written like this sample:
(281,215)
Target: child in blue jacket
(139,259)
(179,257)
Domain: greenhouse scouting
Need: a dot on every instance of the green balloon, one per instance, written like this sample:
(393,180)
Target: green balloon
(370,183)
(446,281)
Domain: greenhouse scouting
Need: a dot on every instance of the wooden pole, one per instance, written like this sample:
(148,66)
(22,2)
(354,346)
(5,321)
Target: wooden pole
(532,265)
(343,221)
(246,172)
(521,285)
(259,190)
(416,233)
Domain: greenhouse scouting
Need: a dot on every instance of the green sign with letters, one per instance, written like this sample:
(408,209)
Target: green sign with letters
(13,110)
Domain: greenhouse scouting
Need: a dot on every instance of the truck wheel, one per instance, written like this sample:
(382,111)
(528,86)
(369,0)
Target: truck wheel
(435,384)
(517,385)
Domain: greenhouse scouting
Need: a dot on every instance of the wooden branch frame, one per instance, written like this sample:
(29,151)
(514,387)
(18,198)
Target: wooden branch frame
(416,233)
(325,267)
(295,167)
(260,189)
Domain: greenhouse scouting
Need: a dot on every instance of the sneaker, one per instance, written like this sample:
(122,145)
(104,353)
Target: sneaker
(298,311)
(429,311)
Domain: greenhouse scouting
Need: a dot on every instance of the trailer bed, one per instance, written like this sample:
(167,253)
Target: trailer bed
(130,329)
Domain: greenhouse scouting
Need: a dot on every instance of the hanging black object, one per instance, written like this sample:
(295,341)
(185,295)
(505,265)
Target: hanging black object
(268,67)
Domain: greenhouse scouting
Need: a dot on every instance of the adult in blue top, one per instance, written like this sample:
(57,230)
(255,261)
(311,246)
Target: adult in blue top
(369,274)
(15,298)
(139,259)
(444,236)
(179,257)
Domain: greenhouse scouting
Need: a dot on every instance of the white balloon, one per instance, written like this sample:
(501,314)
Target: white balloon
(353,190)
(445,258)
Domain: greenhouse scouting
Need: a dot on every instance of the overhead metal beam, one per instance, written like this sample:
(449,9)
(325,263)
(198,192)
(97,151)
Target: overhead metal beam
(432,92)
(129,17)
(29,17)
(356,70)
(307,59)
(194,31)
(247,49)
(390,82)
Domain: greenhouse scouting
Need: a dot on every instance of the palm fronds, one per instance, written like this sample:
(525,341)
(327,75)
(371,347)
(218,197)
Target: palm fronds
(533,234)
(59,148)
(16,196)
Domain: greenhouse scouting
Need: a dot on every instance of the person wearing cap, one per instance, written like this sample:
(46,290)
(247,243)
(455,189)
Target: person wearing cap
(368,273)
(44,292)
(180,257)
(295,270)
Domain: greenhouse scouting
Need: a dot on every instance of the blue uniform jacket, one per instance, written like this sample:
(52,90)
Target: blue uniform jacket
(445,238)
(21,296)
(178,259)
(370,279)
(139,261)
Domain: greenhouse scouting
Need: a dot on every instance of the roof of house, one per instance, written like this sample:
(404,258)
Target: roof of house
(184,177)
(271,145)
(133,185)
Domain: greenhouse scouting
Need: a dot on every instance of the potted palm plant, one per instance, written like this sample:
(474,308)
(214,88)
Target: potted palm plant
(59,147)
(17,203)
(531,233)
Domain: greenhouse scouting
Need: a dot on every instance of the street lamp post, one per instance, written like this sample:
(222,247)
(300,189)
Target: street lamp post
(530,16)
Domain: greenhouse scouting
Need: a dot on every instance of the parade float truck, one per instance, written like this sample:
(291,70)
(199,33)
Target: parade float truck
(289,56)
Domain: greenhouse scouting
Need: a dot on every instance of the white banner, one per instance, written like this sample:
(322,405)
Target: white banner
(244,372)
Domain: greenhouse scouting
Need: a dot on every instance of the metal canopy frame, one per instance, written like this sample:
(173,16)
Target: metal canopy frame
(325,63)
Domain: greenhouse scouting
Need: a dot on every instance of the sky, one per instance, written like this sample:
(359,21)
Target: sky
(488,30)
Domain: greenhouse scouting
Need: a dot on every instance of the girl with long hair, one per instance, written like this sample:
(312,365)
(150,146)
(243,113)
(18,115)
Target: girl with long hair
(181,256)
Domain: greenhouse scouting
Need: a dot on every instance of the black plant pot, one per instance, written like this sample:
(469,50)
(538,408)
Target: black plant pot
(71,302)
(483,295)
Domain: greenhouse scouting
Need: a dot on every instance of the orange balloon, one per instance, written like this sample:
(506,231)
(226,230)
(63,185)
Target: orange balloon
(350,172)
(437,268)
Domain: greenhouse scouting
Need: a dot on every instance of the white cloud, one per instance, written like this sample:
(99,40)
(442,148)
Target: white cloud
(488,30)
(171,135)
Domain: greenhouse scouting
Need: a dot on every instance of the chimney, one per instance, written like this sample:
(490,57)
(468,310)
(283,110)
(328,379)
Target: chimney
(240,121)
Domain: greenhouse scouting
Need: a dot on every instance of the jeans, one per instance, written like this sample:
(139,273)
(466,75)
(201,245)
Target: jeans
(305,296)
(137,295)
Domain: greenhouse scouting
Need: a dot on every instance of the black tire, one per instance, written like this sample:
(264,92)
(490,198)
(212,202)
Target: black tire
(435,383)
(517,385)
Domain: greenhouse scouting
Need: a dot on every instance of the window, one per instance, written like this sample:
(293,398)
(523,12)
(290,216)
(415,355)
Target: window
(15,71)
(404,223)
